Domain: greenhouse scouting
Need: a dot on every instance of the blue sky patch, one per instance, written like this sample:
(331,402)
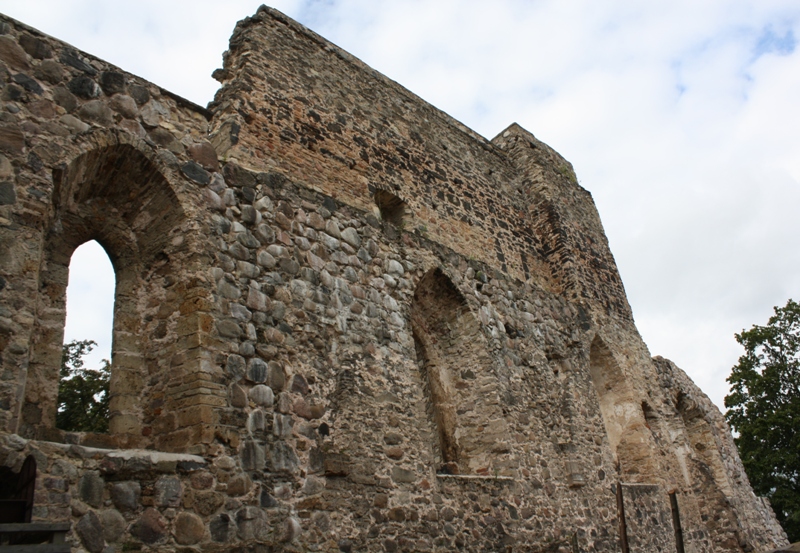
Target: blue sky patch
(771,42)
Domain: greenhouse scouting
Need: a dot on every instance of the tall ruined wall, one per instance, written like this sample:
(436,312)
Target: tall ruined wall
(91,152)
(343,322)
(308,109)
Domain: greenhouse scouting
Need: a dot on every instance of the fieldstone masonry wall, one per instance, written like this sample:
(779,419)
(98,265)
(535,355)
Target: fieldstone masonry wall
(343,322)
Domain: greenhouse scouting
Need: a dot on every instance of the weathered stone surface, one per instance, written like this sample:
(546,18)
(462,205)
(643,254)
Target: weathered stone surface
(252,456)
(252,524)
(208,502)
(300,385)
(222,528)
(12,54)
(150,527)
(343,321)
(336,464)
(202,480)
(276,377)
(238,176)
(28,83)
(112,82)
(139,93)
(91,489)
(12,93)
(291,530)
(195,172)
(403,476)
(133,127)
(49,71)
(73,123)
(12,140)
(394,267)
(165,139)
(189,529)
(151,113)
(251,216)
(235,366)
(96,111)
(90,530)
(113,524)
(239,485)
(8,195)
(262,395)
(44,109)
(350,235)
(229,329)
(168,491)
(126,495)
(205,155)
(84,87)
(238,396)
(65,98)
(283,458)
(35,47)
(124,105)
(256,370)
(74,59)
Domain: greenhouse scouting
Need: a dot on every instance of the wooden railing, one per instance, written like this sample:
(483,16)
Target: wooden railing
(17,533)
(34,537)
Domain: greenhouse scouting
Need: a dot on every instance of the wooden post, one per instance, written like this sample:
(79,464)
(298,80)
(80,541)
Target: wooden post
(623,526)
(676,521)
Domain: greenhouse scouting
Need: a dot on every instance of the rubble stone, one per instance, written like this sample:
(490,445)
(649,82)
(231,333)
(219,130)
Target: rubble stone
(343,321)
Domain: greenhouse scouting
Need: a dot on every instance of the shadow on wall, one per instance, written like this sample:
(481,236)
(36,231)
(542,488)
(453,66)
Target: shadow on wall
(623,416)
(461,387)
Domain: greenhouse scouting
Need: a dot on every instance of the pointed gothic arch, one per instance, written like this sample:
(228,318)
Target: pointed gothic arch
(710,479)
(457,370)
(623,415)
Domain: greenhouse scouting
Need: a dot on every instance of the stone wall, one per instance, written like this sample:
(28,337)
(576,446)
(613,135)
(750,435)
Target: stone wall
(648,518)
(343,322)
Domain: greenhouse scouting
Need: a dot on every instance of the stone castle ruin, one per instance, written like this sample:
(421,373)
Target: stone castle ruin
(343,322)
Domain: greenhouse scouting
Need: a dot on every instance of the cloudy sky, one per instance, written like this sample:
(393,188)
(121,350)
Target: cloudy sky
(682,118)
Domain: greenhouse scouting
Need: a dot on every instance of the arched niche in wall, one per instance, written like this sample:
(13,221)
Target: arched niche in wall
(709,477)
(457,371)
(624,419)
(702,443)
(117,195)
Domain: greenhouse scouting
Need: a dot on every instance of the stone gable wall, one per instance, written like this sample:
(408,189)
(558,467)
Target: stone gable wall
(344,322)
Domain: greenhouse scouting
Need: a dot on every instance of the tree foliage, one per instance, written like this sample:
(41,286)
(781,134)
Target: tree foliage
(82,392)
(764,409)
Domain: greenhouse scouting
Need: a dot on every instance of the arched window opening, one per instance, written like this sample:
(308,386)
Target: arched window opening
(83,380)
(623,416)
(118,196)
(456,369)
(393,211)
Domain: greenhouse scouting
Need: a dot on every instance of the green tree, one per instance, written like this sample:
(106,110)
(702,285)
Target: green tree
(763,407)
(82,392)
